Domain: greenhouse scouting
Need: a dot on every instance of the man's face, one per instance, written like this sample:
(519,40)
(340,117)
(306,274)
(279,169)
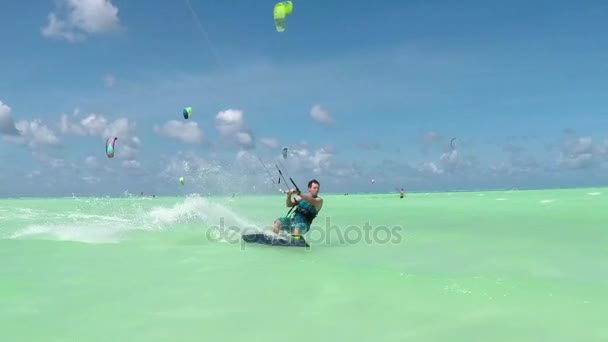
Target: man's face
(314,189)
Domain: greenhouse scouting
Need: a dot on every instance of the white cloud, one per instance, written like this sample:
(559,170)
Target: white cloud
(512,167)
(54,163)
(270,142)
(244,139)
(302,163)
(109,80)
(31,133)
(519,160)
(320,160)
(91,161)
(321,115)
(246,158)
(229,120)
(96,125)
(35,134)
(82,17)
(33,174)
(7,125)
(91,179)
(603,148)
(305,162)
(130,148)
(426,167)
(317,161)
(231,125)
(347,172)
(431,137)
(187,132)
(70,172)
(131,164)
(433,140)
(128,144)
(580,153)
(451,161)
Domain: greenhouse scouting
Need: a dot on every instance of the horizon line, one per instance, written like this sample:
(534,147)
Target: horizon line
(394,192)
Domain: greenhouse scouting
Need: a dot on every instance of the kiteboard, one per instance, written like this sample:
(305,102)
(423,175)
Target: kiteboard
(274,241)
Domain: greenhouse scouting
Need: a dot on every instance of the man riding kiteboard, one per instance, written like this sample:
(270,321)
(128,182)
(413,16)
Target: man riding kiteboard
(307,206)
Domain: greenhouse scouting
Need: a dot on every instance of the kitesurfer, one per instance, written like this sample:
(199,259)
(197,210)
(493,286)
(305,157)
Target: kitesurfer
(307,206)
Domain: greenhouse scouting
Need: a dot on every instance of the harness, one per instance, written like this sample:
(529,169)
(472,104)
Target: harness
(308,215)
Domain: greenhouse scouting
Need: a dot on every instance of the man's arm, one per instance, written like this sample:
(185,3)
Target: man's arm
(316,201)
(289,202)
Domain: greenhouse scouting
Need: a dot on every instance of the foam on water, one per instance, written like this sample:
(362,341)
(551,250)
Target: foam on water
(69,226)
(194,207)
(64,232)
(82,216)
(112,219)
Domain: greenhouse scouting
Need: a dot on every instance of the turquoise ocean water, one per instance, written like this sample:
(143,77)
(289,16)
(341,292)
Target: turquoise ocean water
(462,266)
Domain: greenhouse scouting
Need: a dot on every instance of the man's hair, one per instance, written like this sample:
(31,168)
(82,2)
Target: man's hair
(313,181)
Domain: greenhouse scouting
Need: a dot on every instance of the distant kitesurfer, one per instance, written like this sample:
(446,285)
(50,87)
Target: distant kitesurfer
(307,206)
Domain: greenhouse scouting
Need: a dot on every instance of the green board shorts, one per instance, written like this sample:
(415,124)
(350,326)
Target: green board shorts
(289,224)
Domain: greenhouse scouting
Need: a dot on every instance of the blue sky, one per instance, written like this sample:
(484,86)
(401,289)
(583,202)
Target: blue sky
(356,90)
